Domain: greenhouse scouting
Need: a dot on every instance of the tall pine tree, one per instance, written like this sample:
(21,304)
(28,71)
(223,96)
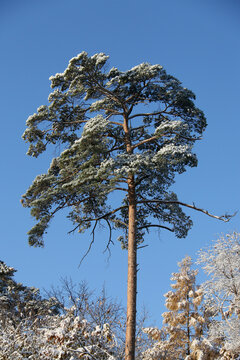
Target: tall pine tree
(129,132)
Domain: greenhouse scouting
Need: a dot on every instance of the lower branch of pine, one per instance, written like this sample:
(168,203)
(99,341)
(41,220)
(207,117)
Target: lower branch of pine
(224,218)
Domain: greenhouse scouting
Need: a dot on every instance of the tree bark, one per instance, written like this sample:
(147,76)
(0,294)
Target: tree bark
(132,274)
(132,256)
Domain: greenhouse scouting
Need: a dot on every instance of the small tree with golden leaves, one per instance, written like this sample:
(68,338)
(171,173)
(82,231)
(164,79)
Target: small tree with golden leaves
(185,321)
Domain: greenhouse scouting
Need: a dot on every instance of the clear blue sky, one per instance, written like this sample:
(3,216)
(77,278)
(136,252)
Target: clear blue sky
(196,41)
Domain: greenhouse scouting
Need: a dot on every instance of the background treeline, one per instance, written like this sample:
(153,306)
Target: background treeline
(71,322)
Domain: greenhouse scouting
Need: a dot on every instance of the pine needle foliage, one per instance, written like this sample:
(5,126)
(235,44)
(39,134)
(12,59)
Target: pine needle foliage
(110,125)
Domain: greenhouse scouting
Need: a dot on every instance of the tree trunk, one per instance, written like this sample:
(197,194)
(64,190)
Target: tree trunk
(188,328)
(132,255)
(132,273)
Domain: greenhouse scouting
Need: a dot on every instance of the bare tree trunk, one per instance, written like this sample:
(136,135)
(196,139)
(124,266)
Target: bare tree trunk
(132,274)
(132,255)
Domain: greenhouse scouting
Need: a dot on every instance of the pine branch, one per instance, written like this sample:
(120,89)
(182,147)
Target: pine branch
(141,247)
(165,134)
(121,189)
(155,225)
(224,218)
(145,141)
(186,137)
(109,240)
(148,114)
(90,245)
(99,218)
(115,123)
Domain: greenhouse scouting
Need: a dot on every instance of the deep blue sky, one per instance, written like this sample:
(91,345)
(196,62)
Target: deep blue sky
(196,41)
